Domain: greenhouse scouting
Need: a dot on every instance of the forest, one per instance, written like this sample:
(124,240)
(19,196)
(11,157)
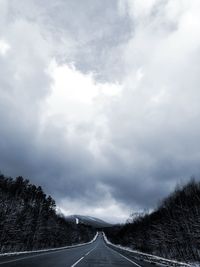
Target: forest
(172,230)
(28,219)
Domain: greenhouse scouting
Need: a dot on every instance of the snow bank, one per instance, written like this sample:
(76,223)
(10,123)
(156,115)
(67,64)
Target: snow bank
(148,257)
(49,249)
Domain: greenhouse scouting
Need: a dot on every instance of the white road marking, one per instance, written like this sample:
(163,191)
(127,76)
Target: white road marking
(78,261)
(124,257)
(90,251)
(37,255)
(51,251)
(83,257)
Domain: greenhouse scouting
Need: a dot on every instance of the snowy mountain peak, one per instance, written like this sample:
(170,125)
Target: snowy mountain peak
(88,220)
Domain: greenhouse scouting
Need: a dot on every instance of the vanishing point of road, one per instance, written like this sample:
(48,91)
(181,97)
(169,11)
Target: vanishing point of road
(96,254)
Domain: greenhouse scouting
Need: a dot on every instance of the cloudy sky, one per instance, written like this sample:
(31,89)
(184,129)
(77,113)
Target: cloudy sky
(100,100)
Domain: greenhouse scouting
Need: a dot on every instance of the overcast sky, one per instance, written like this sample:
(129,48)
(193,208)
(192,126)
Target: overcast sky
(100,100)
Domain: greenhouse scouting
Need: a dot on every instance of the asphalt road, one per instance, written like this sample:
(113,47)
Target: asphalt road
(97,254)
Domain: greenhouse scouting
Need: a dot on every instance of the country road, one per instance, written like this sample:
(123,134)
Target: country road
(94,254)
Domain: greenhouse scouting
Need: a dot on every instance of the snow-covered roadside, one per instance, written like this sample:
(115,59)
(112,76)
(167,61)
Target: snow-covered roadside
(47,250)
(150,258)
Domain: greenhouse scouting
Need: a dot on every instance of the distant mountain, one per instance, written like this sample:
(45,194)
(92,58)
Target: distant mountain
(88,220)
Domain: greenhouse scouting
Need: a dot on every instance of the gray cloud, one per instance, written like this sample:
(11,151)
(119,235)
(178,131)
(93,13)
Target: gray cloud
(97,151)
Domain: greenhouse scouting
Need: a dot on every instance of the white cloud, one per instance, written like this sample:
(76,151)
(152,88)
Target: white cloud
(138,8)
(76,103)
(4,47)
(110,211)
(106,208)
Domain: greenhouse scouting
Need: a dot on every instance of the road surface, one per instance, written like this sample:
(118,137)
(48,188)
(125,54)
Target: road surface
(96,254)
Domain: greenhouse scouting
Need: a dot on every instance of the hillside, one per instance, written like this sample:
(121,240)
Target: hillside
(88,220)
(28,219)
(171,231)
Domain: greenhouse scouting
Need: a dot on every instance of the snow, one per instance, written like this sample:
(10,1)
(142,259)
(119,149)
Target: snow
(47,250)
(93,219)
(150,258)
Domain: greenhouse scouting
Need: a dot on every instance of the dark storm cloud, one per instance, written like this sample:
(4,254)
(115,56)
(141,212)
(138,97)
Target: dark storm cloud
(99,100)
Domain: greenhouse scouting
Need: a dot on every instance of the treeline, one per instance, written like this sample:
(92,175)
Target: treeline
(28,219)
(171,231)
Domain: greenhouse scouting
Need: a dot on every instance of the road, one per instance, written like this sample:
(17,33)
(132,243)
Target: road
(96,254)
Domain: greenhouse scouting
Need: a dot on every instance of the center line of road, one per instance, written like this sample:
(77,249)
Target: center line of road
(77,262)
(83,257)
(90,251)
